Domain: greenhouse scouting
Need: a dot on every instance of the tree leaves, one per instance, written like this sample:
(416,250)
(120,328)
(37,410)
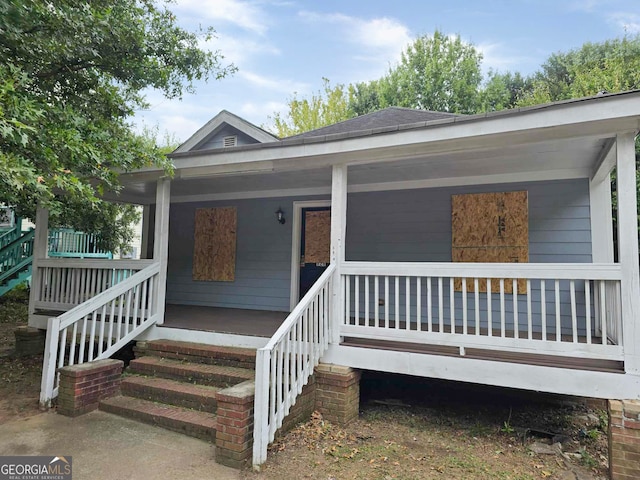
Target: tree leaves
(71,76)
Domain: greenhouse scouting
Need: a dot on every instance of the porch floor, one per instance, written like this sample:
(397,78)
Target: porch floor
(256,323)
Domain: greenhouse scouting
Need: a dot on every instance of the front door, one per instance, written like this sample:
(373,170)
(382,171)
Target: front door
(315,241)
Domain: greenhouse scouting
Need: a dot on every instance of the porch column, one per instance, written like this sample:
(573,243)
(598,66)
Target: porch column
(161,241)
(146,231)
(601,220)
(628,250)
(338,237)
(40,251)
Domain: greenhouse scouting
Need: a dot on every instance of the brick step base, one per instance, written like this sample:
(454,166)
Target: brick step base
(190,422)
(171,392)
(199,353)
(204,374)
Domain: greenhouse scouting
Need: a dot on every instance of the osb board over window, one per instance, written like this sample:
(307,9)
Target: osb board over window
(214,251)
(317,236)
(490,228)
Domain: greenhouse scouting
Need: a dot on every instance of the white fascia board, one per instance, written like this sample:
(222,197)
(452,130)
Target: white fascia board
(602,117)
(598,117)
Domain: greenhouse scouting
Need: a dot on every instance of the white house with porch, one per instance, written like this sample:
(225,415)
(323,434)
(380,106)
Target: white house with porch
(469,248)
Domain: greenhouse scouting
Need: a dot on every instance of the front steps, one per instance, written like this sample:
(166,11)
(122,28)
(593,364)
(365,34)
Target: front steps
(174,384)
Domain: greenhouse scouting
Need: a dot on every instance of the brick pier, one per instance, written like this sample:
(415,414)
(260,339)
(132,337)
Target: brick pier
(624,439)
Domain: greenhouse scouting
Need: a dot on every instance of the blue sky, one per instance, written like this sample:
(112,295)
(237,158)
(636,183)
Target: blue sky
(286,46)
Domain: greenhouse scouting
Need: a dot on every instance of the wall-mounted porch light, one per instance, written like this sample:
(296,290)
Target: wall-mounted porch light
(280,216)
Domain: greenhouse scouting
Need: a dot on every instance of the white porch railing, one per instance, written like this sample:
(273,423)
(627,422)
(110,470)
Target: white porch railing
(61,284)
(285,364)
(99,327)
(558,309)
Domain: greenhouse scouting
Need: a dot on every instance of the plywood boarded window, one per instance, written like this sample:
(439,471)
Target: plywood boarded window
(214,250)
(317,236)
(490,228)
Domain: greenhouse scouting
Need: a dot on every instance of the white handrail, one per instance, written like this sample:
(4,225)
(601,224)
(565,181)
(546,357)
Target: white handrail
(284,365)
(99,327)
(554,271)
(570,310)
(95,263)
(62,284)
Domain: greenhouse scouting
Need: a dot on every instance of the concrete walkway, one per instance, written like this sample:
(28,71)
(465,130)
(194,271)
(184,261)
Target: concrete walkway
(105,446)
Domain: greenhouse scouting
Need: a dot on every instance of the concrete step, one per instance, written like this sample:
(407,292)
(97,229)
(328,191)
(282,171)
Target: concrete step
(189,422)
(196,373)
(199,353)
(171,392)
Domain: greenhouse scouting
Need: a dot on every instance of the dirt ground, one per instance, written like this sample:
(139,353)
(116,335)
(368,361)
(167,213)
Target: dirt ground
(429,429)
(19,377)
(408,428)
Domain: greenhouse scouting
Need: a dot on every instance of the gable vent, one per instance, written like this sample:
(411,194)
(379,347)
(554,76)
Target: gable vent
(230,141)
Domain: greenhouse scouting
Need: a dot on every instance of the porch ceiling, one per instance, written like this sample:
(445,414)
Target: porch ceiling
(560,158)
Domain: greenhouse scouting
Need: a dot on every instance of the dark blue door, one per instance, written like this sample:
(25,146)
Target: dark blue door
(315,240)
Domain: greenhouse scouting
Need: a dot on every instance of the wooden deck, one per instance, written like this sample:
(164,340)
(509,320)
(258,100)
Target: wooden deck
(257,323)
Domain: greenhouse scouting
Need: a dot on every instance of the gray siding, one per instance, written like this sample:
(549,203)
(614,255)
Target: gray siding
(215,140)
(263,257)
(415,225)
(410,225)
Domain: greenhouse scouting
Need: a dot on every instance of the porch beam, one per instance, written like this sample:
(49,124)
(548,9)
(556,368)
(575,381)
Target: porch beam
(486,372)
(601,218)
(628,249)
(146,231)
(605,162)
(161,242)
(338,238)
(40,252)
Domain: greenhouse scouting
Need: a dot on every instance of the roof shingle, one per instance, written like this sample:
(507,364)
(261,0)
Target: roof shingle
(388,117)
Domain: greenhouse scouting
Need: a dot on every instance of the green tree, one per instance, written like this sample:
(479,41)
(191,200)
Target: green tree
(72,74)
(503,90)
(611,66)
(437,72)
(325,107)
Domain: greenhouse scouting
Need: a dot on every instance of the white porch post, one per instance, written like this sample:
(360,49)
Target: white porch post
(628,250)
(40,251)
(601,220)
(161,241)
(338,238)
(146,231)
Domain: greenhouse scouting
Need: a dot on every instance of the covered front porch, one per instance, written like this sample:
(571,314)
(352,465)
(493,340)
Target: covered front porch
(391,298)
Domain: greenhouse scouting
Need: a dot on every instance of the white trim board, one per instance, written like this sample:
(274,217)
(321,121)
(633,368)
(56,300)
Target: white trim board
(296,234)
(501,374)
(159,332)
(388,186)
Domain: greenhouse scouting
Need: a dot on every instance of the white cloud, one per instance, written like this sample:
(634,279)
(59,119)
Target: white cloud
(629,22)
(379,41)
(251,110)
(236,12)
(237,50)
(496,56)
(382,34)
(588,6)
(274,84)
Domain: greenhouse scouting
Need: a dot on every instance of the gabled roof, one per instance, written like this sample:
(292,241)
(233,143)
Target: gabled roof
(390,116)
(228,118)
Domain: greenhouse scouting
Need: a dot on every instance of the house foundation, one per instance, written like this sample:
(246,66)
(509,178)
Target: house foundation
(624,439)
(337,393)
(83,386)
(333,390)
